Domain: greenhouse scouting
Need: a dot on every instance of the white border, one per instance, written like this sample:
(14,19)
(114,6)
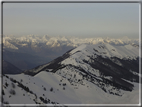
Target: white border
(140,43)
(129,105)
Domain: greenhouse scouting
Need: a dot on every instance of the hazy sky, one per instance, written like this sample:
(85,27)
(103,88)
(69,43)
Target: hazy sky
(71,19)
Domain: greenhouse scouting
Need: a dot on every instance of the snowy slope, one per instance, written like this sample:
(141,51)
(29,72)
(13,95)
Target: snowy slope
(88,52)
(89,74)
(103,64)
(108,50)
(41,84)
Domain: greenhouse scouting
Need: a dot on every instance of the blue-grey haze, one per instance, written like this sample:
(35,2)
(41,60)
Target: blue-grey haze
(72,19)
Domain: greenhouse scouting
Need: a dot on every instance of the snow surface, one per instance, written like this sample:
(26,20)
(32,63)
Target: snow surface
(78,94)
(67,89)
(105,50)
(119,51)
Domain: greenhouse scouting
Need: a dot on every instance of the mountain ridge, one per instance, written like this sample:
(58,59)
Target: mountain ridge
(87,61)
(101,53)
(89,74)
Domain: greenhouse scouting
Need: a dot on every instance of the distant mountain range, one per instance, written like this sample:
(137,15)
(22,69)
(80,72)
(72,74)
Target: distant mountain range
(101,73)
(26,52)
(37,42)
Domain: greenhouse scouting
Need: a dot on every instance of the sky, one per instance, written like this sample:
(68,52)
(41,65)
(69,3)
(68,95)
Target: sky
(72,19)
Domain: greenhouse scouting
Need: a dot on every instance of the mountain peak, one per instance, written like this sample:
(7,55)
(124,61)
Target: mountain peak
(108,50)
(108,72)
(79,48)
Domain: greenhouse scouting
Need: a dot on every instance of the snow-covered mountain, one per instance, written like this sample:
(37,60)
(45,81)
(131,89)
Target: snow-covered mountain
(16,42)
(89,74)
(99,60)
(47,47)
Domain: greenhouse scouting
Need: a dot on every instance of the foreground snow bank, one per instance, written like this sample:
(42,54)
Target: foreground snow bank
(58,89)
